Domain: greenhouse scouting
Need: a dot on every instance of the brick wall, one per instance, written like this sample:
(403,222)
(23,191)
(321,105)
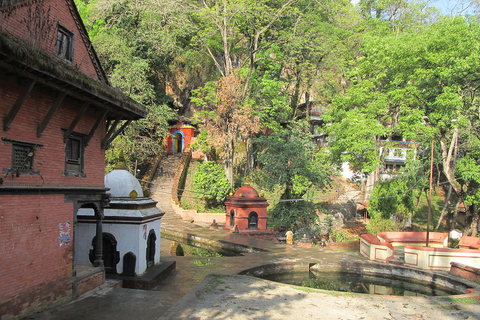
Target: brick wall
(35,264)
(49,159)
(89,283)
(37,22)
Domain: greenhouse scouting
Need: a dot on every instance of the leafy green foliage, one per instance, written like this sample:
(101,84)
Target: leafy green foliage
(468,171)
(423,83)
(127,38)
(288,161)
(339,235)
(381,225)
(210,181)
(392,198)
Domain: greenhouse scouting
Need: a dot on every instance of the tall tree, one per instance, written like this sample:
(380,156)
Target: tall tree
(288,161)
(136,42)
(226,120)
(425,83)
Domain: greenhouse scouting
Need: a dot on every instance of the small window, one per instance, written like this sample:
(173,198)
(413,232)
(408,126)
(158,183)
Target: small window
(64,44)
(253,220)
(22,158)
(74,151)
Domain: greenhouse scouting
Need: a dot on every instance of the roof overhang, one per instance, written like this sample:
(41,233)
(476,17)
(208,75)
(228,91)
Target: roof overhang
(20,59)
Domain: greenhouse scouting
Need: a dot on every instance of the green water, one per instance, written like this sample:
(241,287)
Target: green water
(357,283)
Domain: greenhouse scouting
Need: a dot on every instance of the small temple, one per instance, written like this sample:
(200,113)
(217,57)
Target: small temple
(246,211)
(131,227)
(180,137)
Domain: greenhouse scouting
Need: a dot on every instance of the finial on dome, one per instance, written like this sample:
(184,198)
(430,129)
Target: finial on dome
(246,180)
(133,194)
(121,162)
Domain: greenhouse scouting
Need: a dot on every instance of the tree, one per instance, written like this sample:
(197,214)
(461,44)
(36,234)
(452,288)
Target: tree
(394,198)
(136,41)
(225,119)
(425,83)
(288,160)
(400,15)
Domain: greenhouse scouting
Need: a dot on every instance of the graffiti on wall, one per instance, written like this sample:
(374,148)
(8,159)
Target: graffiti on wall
(64,236)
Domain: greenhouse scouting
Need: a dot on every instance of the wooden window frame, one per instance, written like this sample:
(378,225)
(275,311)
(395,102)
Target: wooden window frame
(21,152)
(75,159)
(64,50)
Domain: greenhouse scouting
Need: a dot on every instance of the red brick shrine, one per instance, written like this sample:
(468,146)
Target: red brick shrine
(246,211)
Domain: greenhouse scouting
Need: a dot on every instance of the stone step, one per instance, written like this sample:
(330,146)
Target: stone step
(395,261)
(161,188)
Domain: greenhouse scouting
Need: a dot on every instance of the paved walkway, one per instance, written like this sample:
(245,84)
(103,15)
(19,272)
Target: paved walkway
(192,292)
(210,288)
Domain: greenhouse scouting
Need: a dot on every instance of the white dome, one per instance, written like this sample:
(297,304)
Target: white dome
(122,183)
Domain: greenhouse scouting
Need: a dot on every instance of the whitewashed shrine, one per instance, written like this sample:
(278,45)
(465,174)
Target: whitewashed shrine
(131,227)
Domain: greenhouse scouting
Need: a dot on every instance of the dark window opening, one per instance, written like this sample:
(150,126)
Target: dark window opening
(253,220)
(74,155)
(23,154)
(151,248)
(232,218)
(64,44)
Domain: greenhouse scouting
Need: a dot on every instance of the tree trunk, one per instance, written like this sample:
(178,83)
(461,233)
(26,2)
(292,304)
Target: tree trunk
(228,161)
(447,163)
(447,201)
(472,228)
(455,214)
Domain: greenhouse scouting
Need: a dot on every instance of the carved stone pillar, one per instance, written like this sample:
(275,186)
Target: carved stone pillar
(99,240)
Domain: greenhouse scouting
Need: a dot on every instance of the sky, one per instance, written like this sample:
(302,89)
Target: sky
(445,6)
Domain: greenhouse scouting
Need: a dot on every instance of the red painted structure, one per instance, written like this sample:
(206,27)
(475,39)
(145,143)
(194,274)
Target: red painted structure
(180,137)
(246,211)
(58,114)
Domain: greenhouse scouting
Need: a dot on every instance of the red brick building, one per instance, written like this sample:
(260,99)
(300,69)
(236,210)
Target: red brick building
(246,211)
(58,114)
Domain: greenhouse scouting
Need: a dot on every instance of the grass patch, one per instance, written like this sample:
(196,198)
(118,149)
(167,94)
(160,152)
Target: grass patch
(461,300)
(419,220)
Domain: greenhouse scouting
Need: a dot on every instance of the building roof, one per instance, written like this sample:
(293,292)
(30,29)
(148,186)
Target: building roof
(18,57)
(246,191)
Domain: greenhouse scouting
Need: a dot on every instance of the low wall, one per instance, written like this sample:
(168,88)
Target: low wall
(372,249)
(87,280)
(440,258)
(464,271)
(198,217)
(468,242)
(400,239)
(178,184)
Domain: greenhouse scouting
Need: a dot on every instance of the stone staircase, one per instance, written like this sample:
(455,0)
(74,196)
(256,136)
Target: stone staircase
(161,191)
(346,203)
(161,187)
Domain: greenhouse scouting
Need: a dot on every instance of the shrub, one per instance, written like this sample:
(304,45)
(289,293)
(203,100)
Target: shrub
(210,180)
(381,225)
(339,235)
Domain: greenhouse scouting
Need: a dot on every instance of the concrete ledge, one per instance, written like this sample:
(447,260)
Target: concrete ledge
(87,280)
(440,258)
(220,246)
(443,280)
(464,271)
(373,249)
(468,242)
(397,239)
(150,278)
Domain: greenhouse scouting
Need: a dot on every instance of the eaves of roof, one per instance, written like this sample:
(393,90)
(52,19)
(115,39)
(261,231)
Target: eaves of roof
(21,59)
